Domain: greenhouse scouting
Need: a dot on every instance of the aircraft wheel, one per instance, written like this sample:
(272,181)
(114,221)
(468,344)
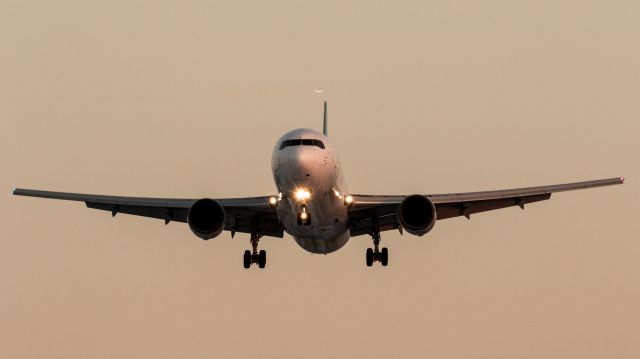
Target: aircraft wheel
(262,259)
(247,259)
(384,256)
(369,257)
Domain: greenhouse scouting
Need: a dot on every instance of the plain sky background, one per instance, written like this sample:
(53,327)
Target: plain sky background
(187,99)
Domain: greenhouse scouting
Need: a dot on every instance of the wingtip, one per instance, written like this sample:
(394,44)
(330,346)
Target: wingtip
(621,179)
(17,192)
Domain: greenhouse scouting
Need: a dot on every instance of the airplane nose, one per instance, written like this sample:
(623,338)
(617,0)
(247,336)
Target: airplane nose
(301,155)
(303,159)
(306,168)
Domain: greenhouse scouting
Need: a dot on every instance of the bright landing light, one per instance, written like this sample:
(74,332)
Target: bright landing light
(302,195)
(348,199)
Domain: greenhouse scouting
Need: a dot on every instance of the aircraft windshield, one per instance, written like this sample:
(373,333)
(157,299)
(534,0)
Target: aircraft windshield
(302,142)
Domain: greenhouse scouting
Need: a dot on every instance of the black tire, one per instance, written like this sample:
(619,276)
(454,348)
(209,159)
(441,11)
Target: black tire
(247,259)
(384,256)
(262,258)
(369,257)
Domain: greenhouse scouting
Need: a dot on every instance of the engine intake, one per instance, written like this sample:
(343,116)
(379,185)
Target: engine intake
(206,218)
(417,214)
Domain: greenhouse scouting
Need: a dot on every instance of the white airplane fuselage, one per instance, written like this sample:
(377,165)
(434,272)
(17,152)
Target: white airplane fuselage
(309,179)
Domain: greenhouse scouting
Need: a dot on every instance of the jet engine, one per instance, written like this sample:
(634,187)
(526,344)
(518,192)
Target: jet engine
(206,218)
(417,214)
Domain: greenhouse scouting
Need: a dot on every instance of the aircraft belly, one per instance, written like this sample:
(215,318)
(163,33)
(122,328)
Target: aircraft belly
(328,229)
(326,246)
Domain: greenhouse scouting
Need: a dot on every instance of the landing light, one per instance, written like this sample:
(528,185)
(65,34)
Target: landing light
(348,200)
(303,215)
(302,195)
(273,201)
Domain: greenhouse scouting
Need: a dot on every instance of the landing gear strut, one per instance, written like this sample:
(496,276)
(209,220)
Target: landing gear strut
(375,254)
(254,256)
(304,217)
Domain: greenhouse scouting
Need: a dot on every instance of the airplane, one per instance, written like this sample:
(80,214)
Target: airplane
(313,204)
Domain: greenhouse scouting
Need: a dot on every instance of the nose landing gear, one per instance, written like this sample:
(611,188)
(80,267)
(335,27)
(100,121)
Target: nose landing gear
(304,217)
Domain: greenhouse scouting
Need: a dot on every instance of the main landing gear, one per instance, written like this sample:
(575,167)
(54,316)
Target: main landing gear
(254,256)
(375,254)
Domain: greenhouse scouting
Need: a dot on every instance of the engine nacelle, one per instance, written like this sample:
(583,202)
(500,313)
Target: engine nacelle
(417,214)
(206,218)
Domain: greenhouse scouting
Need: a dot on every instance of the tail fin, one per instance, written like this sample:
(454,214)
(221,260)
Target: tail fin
(324,122)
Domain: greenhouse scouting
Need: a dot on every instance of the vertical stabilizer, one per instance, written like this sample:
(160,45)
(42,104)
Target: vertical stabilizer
(324,122)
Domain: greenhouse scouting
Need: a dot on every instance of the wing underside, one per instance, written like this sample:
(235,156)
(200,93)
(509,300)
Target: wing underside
(254,213)
(241,214)
(369,209)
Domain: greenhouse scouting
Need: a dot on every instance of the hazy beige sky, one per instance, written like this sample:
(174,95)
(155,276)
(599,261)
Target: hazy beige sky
(186,99)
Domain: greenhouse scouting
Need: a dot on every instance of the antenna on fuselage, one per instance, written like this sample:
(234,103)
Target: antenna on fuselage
(324,120)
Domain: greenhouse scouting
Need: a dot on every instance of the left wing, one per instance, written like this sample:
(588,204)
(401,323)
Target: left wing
(241,214)
(367,208)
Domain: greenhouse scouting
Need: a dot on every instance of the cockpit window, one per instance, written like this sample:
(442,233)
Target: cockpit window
(302,142)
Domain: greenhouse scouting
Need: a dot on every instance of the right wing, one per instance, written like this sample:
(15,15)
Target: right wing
(241,214)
